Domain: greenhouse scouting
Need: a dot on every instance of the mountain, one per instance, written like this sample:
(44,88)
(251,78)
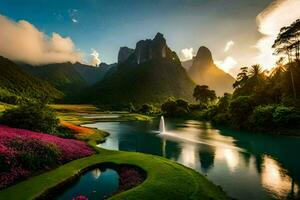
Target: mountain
(150,74)
(67,77)
(17,84)
(203,71)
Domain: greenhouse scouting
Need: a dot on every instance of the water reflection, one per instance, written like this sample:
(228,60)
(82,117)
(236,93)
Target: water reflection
(231,159)
(96,173)
(276,180)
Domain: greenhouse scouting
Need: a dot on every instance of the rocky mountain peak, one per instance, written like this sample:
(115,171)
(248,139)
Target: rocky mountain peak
(204,55)
(124,54)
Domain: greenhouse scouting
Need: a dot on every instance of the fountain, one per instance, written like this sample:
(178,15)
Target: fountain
(162,128)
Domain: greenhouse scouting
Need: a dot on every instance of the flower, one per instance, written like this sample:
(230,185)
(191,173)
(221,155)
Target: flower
(22,151)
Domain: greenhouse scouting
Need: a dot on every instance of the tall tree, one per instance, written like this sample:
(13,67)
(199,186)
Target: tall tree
(288,41)
(203,94)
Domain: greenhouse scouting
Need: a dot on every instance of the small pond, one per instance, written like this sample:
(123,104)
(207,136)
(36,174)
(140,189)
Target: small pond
(95,184)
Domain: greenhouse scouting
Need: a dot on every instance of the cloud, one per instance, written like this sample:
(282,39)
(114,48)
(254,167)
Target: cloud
(73,15)
(278,14)
(228,45)
(22,41)
(228,64)
(187,53)
(95,60)
(74,20)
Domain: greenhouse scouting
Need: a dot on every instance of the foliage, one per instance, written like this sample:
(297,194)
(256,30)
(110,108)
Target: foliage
(175,108)
(203,94)
(286,116)
(23,152)
(33,116)
(288,41)
(17,86)
(262,117)
(240,108)
(146,109)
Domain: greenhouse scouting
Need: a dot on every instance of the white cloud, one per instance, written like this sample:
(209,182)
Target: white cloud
(278,14)
(95,60)
(74,20)
(228,45)
(73,15)
(187,54)
(227,64)
(22,41)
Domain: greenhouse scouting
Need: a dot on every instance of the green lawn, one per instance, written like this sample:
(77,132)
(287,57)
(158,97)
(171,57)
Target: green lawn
(165,179)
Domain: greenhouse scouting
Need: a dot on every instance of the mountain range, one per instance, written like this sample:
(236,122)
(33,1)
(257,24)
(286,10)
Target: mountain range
(149,73)
(69,78)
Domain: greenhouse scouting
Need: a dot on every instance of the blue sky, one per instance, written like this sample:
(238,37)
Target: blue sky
(106,25)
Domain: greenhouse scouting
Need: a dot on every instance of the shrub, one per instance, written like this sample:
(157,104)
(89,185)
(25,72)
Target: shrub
(175,108)
(286,116)
(221,118)
(35,154)
(262,117)
(33,116)
(240,108)
(146,109)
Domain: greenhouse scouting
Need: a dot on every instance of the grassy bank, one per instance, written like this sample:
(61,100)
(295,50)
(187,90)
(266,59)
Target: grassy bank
(165,179)
(76,114)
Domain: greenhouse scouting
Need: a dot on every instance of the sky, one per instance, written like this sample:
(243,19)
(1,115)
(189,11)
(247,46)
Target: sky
(238,32)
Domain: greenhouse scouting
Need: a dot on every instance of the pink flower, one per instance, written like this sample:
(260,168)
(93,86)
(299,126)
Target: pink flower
(17,143)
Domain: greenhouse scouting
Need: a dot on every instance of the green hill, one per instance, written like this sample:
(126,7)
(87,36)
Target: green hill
(69,78)
(150,75)
(16,84)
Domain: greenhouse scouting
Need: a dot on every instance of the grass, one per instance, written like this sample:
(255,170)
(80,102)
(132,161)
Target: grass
(4,106)
(165,179)
(76,114)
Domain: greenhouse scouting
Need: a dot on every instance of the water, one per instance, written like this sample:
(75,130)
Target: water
(162,128)
(95,184)
(246,165)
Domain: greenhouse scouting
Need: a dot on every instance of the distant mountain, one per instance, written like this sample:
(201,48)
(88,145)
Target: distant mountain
(67,77)
(17,84)
(203,71)
(151,73)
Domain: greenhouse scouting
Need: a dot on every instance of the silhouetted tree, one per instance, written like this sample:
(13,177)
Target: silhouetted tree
(203,94)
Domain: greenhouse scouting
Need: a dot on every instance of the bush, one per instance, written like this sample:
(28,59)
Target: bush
(33,116)
(221,118)
(35,154)
(146,109)
(262,117)
(240,108)
(286,117)
(175,108)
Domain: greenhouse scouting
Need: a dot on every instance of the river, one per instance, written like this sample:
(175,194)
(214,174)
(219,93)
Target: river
(247,166)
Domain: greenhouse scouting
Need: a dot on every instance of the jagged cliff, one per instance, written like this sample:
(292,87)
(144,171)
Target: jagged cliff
(151,74)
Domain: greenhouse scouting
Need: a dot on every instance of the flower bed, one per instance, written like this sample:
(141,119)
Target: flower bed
(23,152)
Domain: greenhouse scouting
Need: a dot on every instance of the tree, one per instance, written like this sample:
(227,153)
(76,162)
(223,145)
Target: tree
(203,94)
(288,41)
(241,79)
